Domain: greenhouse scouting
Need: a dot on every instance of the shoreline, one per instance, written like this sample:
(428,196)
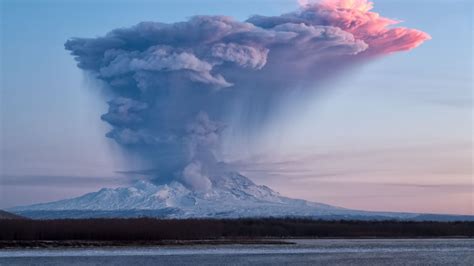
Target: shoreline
(47,244)
(76,244)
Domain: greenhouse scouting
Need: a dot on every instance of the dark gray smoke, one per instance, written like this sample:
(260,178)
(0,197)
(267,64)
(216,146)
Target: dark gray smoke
(177,85)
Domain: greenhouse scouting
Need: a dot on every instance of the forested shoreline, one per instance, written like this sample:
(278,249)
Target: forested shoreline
(149,229)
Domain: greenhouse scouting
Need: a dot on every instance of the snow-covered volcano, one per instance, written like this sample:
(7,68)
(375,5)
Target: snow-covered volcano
(232,196)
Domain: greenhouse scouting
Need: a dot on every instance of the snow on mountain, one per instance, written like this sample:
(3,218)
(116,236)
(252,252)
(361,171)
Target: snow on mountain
(232,196)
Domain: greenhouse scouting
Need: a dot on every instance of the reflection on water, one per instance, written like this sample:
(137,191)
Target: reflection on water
(309,252)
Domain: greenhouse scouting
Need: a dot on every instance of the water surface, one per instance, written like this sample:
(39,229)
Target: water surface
(303,252)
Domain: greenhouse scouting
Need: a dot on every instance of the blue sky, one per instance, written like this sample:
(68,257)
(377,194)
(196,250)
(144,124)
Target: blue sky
(398,130)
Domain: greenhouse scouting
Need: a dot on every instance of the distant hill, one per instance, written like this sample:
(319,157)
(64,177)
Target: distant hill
(9,216)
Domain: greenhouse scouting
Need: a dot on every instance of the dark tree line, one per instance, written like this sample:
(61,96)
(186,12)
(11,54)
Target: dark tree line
(147,229)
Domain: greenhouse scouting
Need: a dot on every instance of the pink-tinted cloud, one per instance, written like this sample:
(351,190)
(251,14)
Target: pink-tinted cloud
(214,70)
(356,17)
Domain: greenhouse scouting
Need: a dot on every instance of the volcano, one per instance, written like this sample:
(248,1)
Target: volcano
(232,196)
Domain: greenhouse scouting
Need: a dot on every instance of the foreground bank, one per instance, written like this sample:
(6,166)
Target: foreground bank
(148,229)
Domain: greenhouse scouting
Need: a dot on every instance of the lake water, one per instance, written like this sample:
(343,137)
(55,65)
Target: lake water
(303,252)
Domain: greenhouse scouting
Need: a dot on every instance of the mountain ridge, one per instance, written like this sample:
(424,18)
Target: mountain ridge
(232,196)
(4,215)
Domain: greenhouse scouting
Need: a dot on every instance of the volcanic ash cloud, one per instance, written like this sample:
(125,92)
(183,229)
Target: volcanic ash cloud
(176,85)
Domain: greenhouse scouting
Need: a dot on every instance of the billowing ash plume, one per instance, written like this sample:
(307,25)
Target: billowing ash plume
(176,85)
